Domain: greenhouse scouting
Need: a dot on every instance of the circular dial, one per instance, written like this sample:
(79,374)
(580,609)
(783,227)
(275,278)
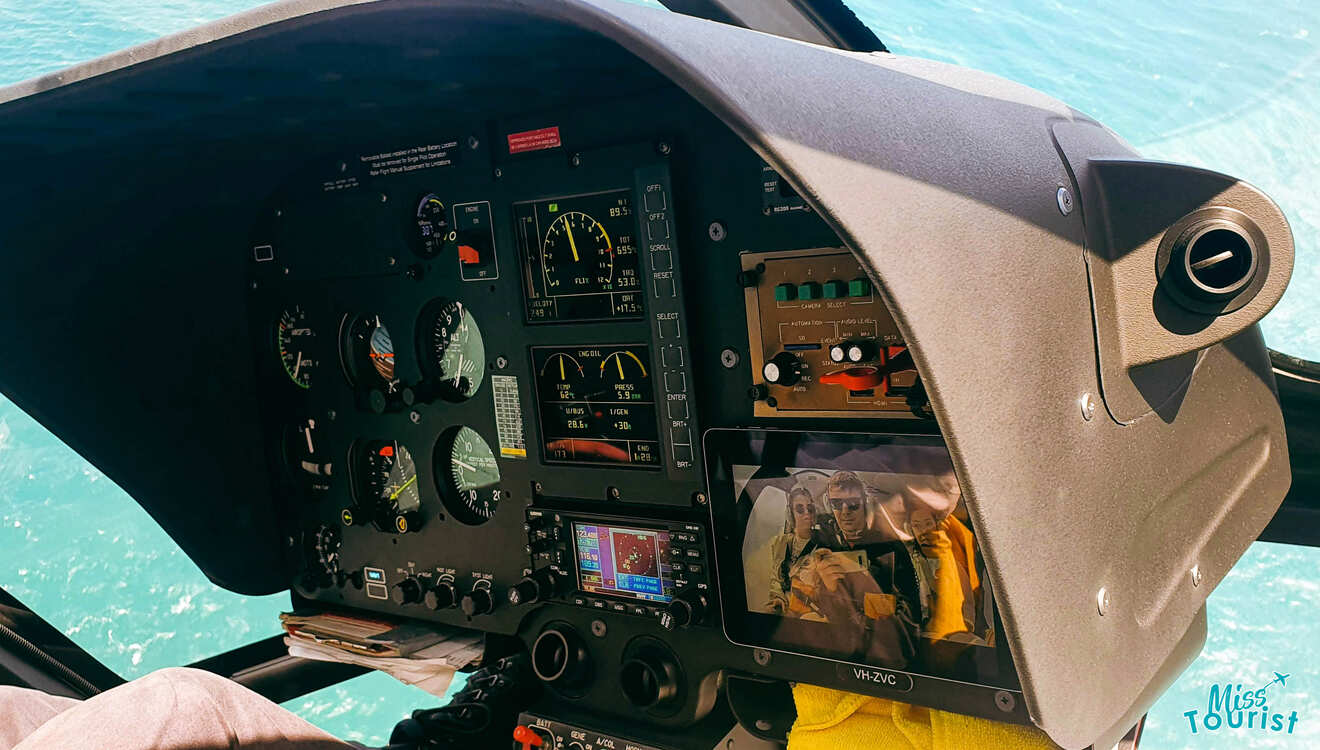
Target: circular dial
(577,255)
(294,340)
(387,485)
(452,351)
(368,352)
(325,547)
(470,473)
(432,226)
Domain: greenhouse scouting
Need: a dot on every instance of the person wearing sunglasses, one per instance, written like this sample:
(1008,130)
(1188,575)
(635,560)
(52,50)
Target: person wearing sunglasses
(788,549)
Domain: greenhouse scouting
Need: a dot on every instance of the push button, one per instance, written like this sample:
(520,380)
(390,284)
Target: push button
(859,288)
(785,293)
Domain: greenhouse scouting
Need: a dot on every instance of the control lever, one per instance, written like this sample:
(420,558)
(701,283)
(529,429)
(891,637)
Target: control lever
(483,714)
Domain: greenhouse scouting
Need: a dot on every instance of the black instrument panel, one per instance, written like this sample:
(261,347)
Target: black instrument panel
(484,363)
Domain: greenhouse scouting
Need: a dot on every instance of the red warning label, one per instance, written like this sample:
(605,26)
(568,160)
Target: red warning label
(534,140)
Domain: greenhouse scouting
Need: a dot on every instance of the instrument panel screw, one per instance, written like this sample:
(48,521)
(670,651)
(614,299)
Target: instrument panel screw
(415,417)
(729,358)
(501,362)
(330,415)
(664,148)
(1196,575)
(1102,601)
(614,493)
(473,143)
(575,160)
(767,210)
(598,628)
(1087,403)
(498,173)
(343,166)
(253,285)
(390,261)
(1065,201)
(763,725)
(1005,701)
(716,231)
(537,488)
(700,497)
(384,198)
(761,656)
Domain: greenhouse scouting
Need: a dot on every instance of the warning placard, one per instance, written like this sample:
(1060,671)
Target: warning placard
(411,159)
(534,140)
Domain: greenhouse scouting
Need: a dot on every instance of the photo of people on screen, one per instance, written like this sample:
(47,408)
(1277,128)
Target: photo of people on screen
(885,558)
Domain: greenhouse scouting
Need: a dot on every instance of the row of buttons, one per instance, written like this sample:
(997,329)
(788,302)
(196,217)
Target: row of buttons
(832,289)
(623,608)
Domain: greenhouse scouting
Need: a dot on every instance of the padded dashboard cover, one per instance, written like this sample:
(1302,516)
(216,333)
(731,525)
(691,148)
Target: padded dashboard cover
(942,180)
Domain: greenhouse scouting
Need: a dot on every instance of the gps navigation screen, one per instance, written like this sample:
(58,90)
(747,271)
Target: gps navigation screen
(624,562)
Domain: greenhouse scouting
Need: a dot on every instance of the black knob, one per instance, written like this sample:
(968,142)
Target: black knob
(538,586)
(861,351)
(441,596)
(407,591)
(748,279)
(477,602)
(758,392)
(687,608)
(783,369)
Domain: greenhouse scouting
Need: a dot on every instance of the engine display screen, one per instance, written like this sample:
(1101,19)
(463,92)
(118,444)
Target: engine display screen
(597,405)
(579,258)
(620,561)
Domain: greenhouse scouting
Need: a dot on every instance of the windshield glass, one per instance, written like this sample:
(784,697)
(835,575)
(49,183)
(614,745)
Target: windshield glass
(1235,89)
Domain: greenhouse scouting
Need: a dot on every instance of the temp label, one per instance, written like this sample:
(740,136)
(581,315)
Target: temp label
(508,416)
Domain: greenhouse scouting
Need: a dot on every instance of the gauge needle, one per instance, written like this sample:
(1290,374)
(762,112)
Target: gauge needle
(562,376)
(297,366)
(571,244)
(399,491)
(463,465)
(458,372)
(619,361)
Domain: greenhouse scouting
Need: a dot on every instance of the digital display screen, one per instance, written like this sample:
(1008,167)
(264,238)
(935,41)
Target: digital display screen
(597,405)
(620,561)
(852,547)
(579,257)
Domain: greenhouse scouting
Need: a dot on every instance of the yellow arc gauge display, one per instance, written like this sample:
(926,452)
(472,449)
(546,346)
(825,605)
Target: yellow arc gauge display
(577,255)
(295,341)
(597,405)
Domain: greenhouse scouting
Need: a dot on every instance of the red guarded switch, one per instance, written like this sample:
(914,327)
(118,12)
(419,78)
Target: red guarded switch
(527,738)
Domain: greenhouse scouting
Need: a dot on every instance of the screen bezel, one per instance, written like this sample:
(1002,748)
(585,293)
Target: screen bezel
(571,523)
(989,666)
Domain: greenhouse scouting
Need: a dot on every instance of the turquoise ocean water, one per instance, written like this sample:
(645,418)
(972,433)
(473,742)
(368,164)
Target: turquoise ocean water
(1233,86)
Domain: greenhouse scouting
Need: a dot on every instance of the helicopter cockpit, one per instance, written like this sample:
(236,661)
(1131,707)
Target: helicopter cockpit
(683,362)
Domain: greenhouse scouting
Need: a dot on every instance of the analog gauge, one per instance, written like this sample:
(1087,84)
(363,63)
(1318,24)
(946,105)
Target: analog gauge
(577,256)
(562,375)
(294,340)
(453,354)
(368,352)
(387,486)
(432,226)
(470,472)
(325,546)
(303,450)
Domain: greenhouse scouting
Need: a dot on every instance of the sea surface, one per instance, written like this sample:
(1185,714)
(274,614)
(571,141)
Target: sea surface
(1233,86)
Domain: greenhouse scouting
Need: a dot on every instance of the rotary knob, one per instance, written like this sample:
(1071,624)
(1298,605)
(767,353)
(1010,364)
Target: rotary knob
(783,369)
(407,591)
(538,586)
(442,596)
(860,351)
(478,602)
(687,608)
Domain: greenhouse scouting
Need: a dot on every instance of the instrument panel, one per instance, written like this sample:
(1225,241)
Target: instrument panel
(491,371)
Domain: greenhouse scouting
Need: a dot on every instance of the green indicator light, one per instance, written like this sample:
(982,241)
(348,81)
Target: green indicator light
(553,207)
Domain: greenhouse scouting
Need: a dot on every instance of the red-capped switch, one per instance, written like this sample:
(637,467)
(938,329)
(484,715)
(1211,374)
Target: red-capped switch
(526,737)
(854,378)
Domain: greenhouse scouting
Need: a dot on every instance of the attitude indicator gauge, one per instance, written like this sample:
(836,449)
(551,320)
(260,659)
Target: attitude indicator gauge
(386,487)
(470,474)
(295,341)
(452,352)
